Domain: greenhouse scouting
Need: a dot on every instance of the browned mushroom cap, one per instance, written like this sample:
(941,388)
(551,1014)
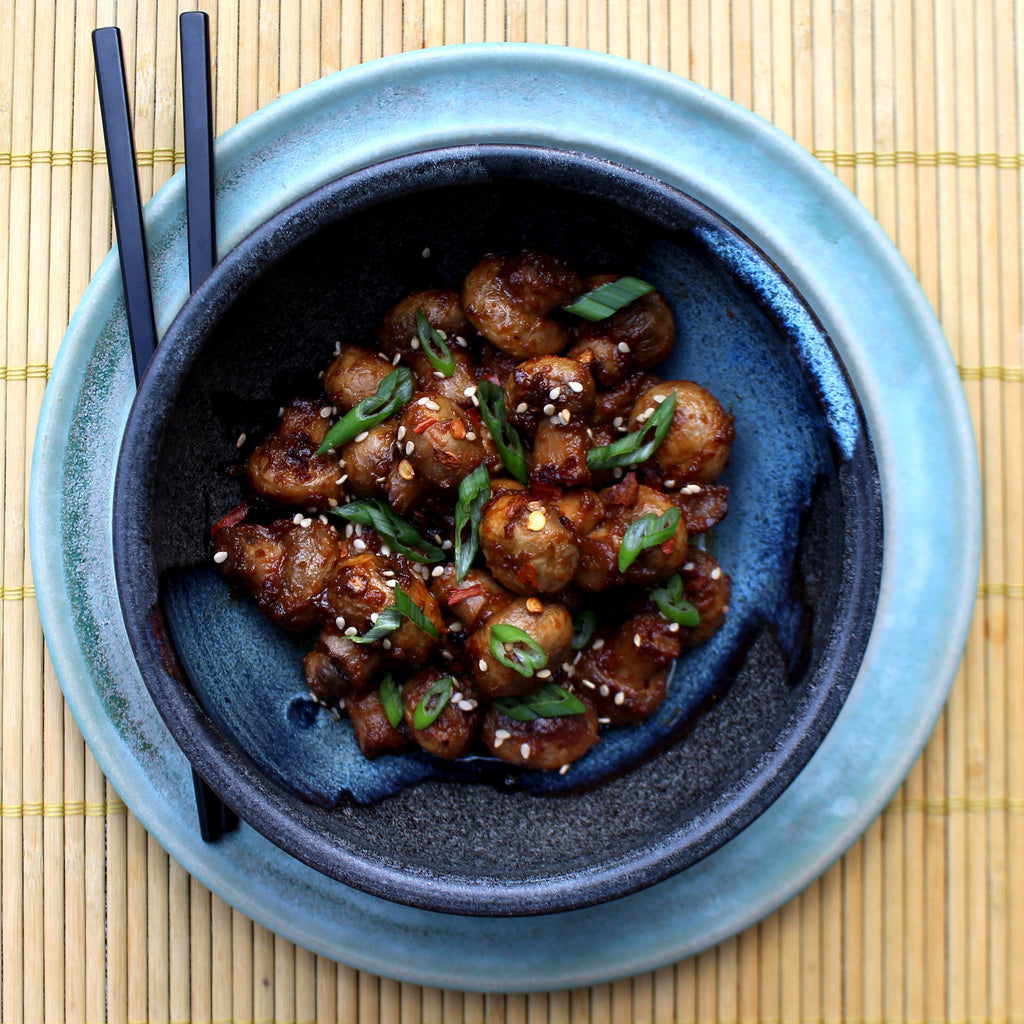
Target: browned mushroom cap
(707,587)
(510,301)
(355,373)
(623,670)
(285,468)
(544,743)
(549,625)
(458,388)
(472,600)
(636,337)
(526,546)
(337,668)
(699,440)
(548,388)
(443,310)
(373,730)
(455,729)
(598,566)
(702,505)
(365,463)
(559,455)
(284,565)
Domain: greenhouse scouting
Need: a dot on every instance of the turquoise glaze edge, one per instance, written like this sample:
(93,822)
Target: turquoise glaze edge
(837,257)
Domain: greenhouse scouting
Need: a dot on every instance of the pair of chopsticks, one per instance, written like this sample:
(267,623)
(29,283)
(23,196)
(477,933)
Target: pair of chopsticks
(214,817)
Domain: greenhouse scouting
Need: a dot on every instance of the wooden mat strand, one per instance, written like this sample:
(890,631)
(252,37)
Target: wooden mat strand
(916,106)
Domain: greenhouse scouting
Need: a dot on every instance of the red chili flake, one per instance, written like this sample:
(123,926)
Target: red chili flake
(423,425)
(233,518)
(668,546)
(464,594)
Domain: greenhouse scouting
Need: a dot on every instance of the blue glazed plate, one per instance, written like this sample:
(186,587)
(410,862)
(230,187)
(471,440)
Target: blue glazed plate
(836,256)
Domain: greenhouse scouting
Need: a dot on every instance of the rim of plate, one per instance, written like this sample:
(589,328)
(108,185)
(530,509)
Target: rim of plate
(836,255)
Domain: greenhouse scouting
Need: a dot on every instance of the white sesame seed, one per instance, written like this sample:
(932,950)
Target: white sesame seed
(446,545)
(617,422)
(470,391)
(349,530)
(280,412)
(221,556)
(325,412)
(340,622)
(637,640)
(343,478)
(432,406)
(297,518)
(604,721)
(456,696)
(548,410)
(563,769)
(544,673)
(566,415)
(410,447)
(617,472)
(691,489)
(660,398)
(391,583)
(588,684)
(470,436)
(385,550)
(359,544)
(716,573)
(351,631)
(482,665)
(598,644)
(522,407)
(622,346)
(438,570)
(455,627)
(439,374)
(332,502)
(374,616)
(422,401)
(670,483)
(240,441)
(386,644)
(554,393)
(401,433)
(576,660)
(524,749)
(603,690)
(395,361)
(322,519)
(620,698)
(689,567)
(414,344)
(361,436)
(426,252)
(500,735)
(673,627)
(467,705)
(576,386)
(447,655)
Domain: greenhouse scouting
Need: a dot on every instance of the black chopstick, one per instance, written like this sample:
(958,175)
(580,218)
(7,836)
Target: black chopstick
(215,817)
(124,188)
(197,106)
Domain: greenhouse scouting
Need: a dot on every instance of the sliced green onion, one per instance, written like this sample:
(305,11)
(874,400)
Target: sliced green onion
(634,448)
(605,299)
(550,701)
(525,662)
(474,493)
(583,625)
(391,700)
(434,345)
(669,600)
(393,392)
(394,530)
(506,437)
(434,701)
(387,622)
(647,532)
(413,612)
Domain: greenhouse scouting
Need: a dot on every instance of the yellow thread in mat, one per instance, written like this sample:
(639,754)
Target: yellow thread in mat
(957,804)
(1009,374)
(17,593)
(1007,161)
(64,158)
(68,809)
(1000,590)
(29,372)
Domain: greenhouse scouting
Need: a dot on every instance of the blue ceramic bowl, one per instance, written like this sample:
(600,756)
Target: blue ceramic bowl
(802,541)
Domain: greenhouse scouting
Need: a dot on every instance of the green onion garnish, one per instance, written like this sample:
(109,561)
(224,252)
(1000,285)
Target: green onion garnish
(474,493)
(633,448)
(669,600)
(392,393)
(605,299)
(391,700)
(391,618)
(413,612)
(434,701)
(394,530)
(647,532)
(386,622)
(506,437)
(434,345)
(525,662)
(550,701)
(583,626)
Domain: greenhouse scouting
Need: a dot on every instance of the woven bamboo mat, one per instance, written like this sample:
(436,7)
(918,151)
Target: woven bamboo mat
(915,106)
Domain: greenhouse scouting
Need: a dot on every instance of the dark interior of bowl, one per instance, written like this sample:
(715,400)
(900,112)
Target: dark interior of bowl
(802,541)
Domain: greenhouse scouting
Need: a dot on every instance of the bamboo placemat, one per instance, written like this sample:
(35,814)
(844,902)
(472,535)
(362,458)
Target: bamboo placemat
(916,106)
